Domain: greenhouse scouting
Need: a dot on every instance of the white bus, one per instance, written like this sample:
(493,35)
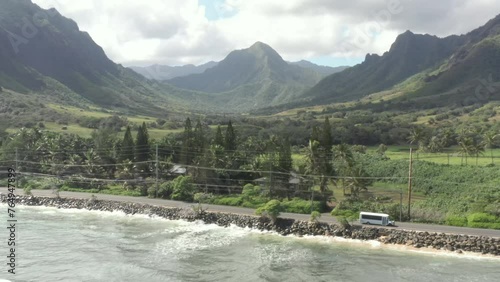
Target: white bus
(375,218)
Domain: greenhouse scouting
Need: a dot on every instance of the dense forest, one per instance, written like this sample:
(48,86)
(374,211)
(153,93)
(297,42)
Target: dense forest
(232,164)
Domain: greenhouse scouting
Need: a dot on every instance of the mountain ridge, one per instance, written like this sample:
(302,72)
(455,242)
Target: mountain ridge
(259,68)
(325,70)
(165,72)
(408,55)
(59,61)
(55,49)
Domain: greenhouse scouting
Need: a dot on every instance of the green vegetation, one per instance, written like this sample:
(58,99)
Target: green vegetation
(183,189)
(483,220)
(27,191)
(221,168)
(315,216)
(95,127)
(266,79)
(271,209)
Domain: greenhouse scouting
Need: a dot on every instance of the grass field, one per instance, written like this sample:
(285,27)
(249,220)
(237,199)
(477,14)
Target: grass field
(381,190)
(73,128)
(96,113)
(87,132)
(449,156)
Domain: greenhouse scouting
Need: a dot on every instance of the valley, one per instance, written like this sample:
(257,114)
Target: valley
(253,127)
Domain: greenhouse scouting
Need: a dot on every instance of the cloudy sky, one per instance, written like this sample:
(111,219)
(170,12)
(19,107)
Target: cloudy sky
(327,32)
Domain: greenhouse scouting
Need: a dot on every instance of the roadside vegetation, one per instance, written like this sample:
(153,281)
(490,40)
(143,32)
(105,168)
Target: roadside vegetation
(232,165)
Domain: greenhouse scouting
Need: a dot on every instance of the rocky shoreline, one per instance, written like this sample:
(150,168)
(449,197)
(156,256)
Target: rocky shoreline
(283,226)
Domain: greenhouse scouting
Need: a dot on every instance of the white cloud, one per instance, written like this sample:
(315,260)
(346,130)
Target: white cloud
(178,32)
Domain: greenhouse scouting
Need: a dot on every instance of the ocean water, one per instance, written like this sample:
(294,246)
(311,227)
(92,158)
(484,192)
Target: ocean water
(76,245)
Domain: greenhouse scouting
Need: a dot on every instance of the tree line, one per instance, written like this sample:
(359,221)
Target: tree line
(219,156)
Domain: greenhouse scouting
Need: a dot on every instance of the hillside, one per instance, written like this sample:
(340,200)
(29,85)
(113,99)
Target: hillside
(62,64)
(45,53)
(50,57)
(409,54)
(324,70)
(163,72)
(418,72)
(470,75)
(257,74)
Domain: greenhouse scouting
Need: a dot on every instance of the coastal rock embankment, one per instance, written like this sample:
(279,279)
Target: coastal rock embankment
(283,226)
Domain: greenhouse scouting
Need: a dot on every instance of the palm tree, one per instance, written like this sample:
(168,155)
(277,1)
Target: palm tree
(489,142)
(417,135)
(466,147)
(477,149)
(447,137)
(357,181)
(382,148)
(343,155)
(435,145)
(91,162)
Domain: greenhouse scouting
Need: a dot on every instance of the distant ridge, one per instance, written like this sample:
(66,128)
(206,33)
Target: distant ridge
(164,72)
(325,70)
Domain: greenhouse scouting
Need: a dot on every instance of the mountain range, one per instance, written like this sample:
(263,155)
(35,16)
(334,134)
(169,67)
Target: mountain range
(254,76)
(324,70)
(163,72)
(43,52)
(51,58)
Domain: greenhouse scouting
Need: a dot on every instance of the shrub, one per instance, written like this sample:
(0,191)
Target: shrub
(22,181)
(143,188)
(271,209)
(298,205)
(482,217)
(228,201)
(56,193)
(347,214)
(198,209)
(27,191)
(493,209)
(344,222)
(250,191)
(483,220)
(152,191)
(165,190)
(255,202)
(456,220)
(80,182)
(183,189)
(93,198)
(203,198)
(315,216)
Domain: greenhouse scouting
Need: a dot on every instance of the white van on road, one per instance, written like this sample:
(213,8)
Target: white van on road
(375,218)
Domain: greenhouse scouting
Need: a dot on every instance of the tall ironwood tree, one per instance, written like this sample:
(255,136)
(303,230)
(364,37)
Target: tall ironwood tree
(187,151)
(142,148)
(127,147)
(230,139)
(219,139)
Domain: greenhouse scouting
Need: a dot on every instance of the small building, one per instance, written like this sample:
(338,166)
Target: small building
(297,183)
(177,170)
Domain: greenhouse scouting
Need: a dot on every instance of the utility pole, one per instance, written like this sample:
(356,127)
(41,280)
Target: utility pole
(409,184)
(312,198)
(156,189)
(16,161)
(401,204)
(270,178)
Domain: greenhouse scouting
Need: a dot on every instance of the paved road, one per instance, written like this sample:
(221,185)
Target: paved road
(246,211)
